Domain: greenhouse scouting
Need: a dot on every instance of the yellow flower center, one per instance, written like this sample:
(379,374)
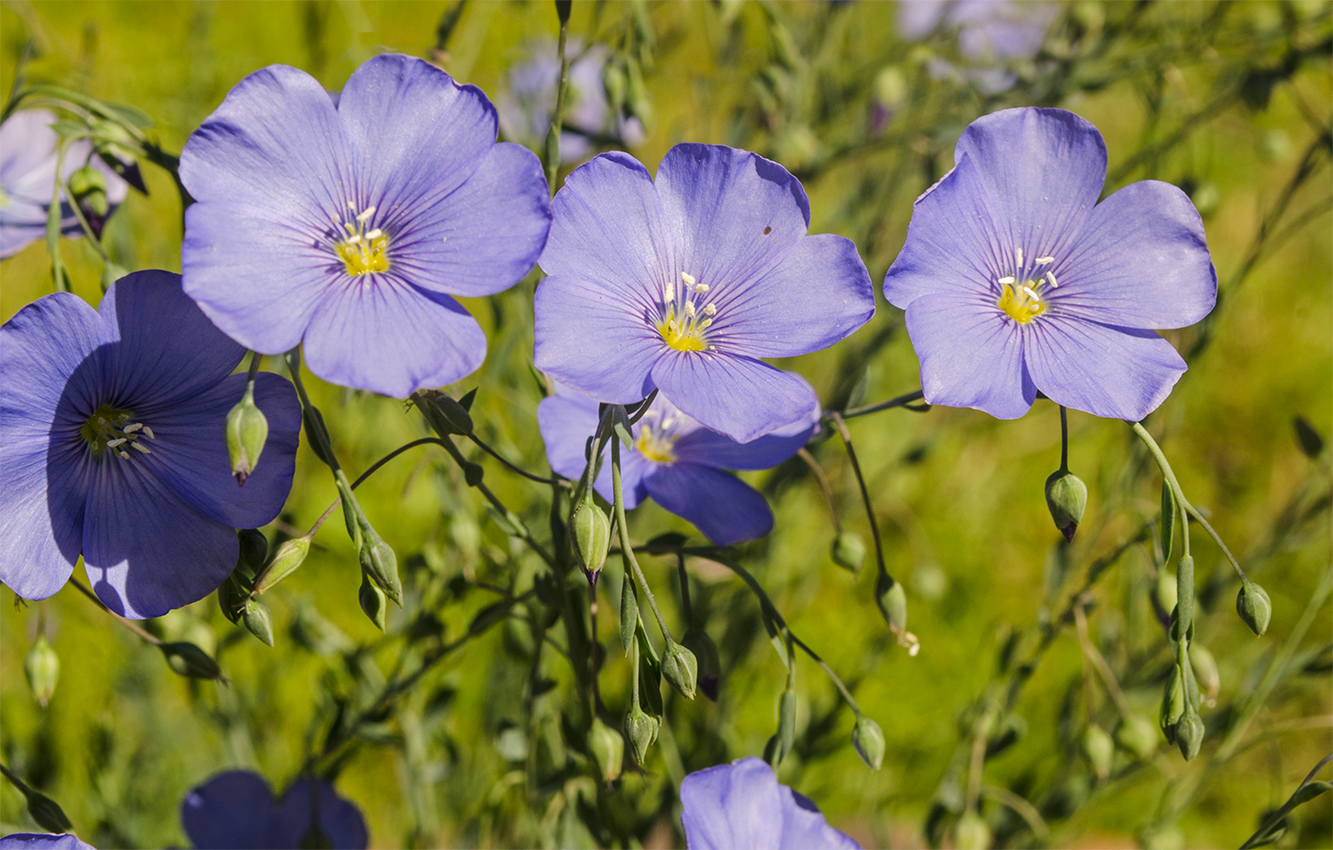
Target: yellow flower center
(109,429)
(364,250)
(684,322)
(655,445)
(1023,294)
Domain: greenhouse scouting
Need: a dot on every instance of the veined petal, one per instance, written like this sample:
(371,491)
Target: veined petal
(1141,261)
(709,448)
(145,551)
(971,355)
(731,806)
(818,294)
(49,375)
(233,810)
(804,826)
(42,495)
(485,236)
(189,451)
(738,396)
(723,507)
(392,338)
(593,341)
(1118,373)
(338,819)
(566,422)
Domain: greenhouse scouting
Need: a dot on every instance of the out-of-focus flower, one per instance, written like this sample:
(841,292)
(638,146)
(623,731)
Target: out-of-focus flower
(349,227)
(235,810)
(742,804)
(28,160)
(991,33)
(42,841)
(683,285)
(676,462)
(528,107)
(1015,280)
(113,445)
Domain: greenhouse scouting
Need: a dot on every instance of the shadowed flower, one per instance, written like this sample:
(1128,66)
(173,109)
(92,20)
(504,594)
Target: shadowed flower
(682,285)
(43,841)
(28,162)
(1015,280)
(676,462)
(112,444)
(991,33)
(742,804)
(349,227)
(235,810)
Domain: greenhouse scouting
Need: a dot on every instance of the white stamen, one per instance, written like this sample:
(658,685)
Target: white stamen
(363,217)
(130,429)
(111,444)
(124,455)
(351,205)
(1007,279)
(710,310)
(668,293)
(701,289)
(690,309)
(1050,277)
(1018,252)
(148,432)
(375,234)
(1043,261)
(705,324)
(140,447)
(688,278)
(354,239)
(1032,292)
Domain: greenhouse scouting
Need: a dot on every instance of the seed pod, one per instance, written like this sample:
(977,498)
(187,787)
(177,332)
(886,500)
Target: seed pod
(892,601)
(680,668)
(710,665)
(591,531)
(868,741)
(1189,735)
(1066,497)
(641,731)
(258,620)
(849,551)
(444,415)
(290,555)
(373,601)
(1254,607)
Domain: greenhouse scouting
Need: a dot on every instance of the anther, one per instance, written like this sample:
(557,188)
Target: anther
(1050,278)
(688,278)
(1018,253)
(701,289)
(140,447)
(130,429)
(1032,293)
(111,444)
(710,310)
(1043,261)
(148,432)
(690,309)
(1007,279)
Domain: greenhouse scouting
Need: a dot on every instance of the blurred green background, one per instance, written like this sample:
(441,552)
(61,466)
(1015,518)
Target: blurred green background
(1231,100)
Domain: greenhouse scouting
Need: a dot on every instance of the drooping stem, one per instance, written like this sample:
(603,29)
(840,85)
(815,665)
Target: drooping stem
(129,624)
(865,493)
(513,467)
(900,401)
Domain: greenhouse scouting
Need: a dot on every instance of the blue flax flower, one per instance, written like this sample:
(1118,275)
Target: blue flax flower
(350,226)
(742,804)
(113,445)
(28,162)
(235,810)
(992,34)
(682,285)
(1015,280)
(676,462)
(42,841)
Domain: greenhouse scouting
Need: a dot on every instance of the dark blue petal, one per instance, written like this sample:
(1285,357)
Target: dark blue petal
(738,396)
(233,810)
(339,820)
(723,507)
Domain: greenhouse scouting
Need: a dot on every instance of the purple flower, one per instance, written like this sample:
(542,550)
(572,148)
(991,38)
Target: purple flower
(28,175)
(235,810)
(742,804)
(676,462)
(991,33)
(112,444)
(42,841)
(1015,280)
(349,226)
(681,286)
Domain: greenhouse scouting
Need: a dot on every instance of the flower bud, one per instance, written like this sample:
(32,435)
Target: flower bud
(1099,748)
(444,415)
(641,731)
(47,812)
(258,620)
(591,531)
(1254,607)
(892,601)
(868,741)
(290,555)
(1066,497)
(88,186)
(42,667)
(710,665)
(972,832)
(849,551)
(629,612)
(1173,705)
(680,668)
(608,749)
(188,660)
(378,561)
(1189,735)
(786,737)
(1137,735)
(373,601)
(247,431)
(1205,671)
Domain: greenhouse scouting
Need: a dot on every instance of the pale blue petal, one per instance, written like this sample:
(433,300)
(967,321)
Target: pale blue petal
(804,827)
(732,806)
(709,448)
(738,396)
(42,841)
(723,507)
(566,422)
(42,495)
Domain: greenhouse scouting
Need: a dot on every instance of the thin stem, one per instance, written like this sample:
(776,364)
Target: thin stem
(824,487)
(485,491)
(684,590)
(1098,662)
(643,407)
(626,549)
(1023,808)
(865,493)
(512,466)
(1064,441)
(900,401)
(23,787)
(129,624)
(1273,819)
(558,119)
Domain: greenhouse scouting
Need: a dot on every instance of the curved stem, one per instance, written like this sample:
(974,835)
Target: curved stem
(129,624)
(1064,440)
(900,401)
(824,487)
(514,467)
(626,548)
(861,482)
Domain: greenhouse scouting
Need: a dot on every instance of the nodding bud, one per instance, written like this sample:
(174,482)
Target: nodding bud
(88,186)
(892,601)
(591,530)
(1173,705)
(373,601)
(1189,735)
(849,551)
(1099,748)
(1254,607)
(444,415)
(972,832)
(680,668)
(42,667)
(641,731)
(868,741)
(710,665)
(47,812)
(258,620)
(247,431)
(1067,497)
(188,660)
(608,749)
(378,561)
(290,555)
(1137,735)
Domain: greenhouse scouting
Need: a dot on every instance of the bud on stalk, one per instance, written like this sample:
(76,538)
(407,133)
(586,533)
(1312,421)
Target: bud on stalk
(680,668)
(42,667)
(641,731)
(1066,497)
(868,741)
(1254,607)
(591,530)
(247,431)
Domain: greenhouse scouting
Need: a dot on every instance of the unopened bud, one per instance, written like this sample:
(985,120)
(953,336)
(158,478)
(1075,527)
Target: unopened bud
(786,737)
(613,83)
(591,531)
(47,812)
(640,731)
(972,832)
(88,186)
(1099,748)
(1067,497)
(247,431)
(710,665)
(868,741)
(1254,607)
(1137,735)
(290,555)
(373,601)
(849,551)
(258,620)
(42,667)
(1173,705)
(680,668)
(444,415)
(1189,735)
(892,601)
(608,749)
(188,660)
(1205,671)
(379,562)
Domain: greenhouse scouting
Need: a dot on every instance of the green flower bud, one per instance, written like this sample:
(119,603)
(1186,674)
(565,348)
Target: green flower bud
(188,660)
(591,531)
(680,668)
(608,749)
(42,667)
(1189,735)
(373,601)
(247,431)
(614,83)
(1066,497)
(1099,748)
(892,601)
(849,551)
(290,555)
(641,731)
(1254,607)
(1137,735)
(629,612)
(47,812)
(378,561)
(1185,593)
(258,620)
(1173,705)
(1165,591)
(444,415)
(971,832)
(786,737)
(710,665)
(868,741)
(88,186)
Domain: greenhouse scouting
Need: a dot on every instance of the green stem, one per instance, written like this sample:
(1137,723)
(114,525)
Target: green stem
(514,467)
(900,401)
(129,624)
(557,121)
(1064,441)
(865,493)
(626,549)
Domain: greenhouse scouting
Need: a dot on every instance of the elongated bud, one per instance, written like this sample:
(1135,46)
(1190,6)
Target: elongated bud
(608,750)
(317,434)
(1173,705)
(373,601)
(849,551)
(444,415)
(1067,497)
(247,431)
(680,668)
(1137,735)
(629,612)
(378,561)
(710,665)
(1254,607)
(47,812)
(1185,594)
(613,83)
(258,620)
(1100,750)
(188,660)
(591,531)
(640,731)
(1189,735)
(972,832)
(892,601)
(42,667)
(868,741)
(290,555)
